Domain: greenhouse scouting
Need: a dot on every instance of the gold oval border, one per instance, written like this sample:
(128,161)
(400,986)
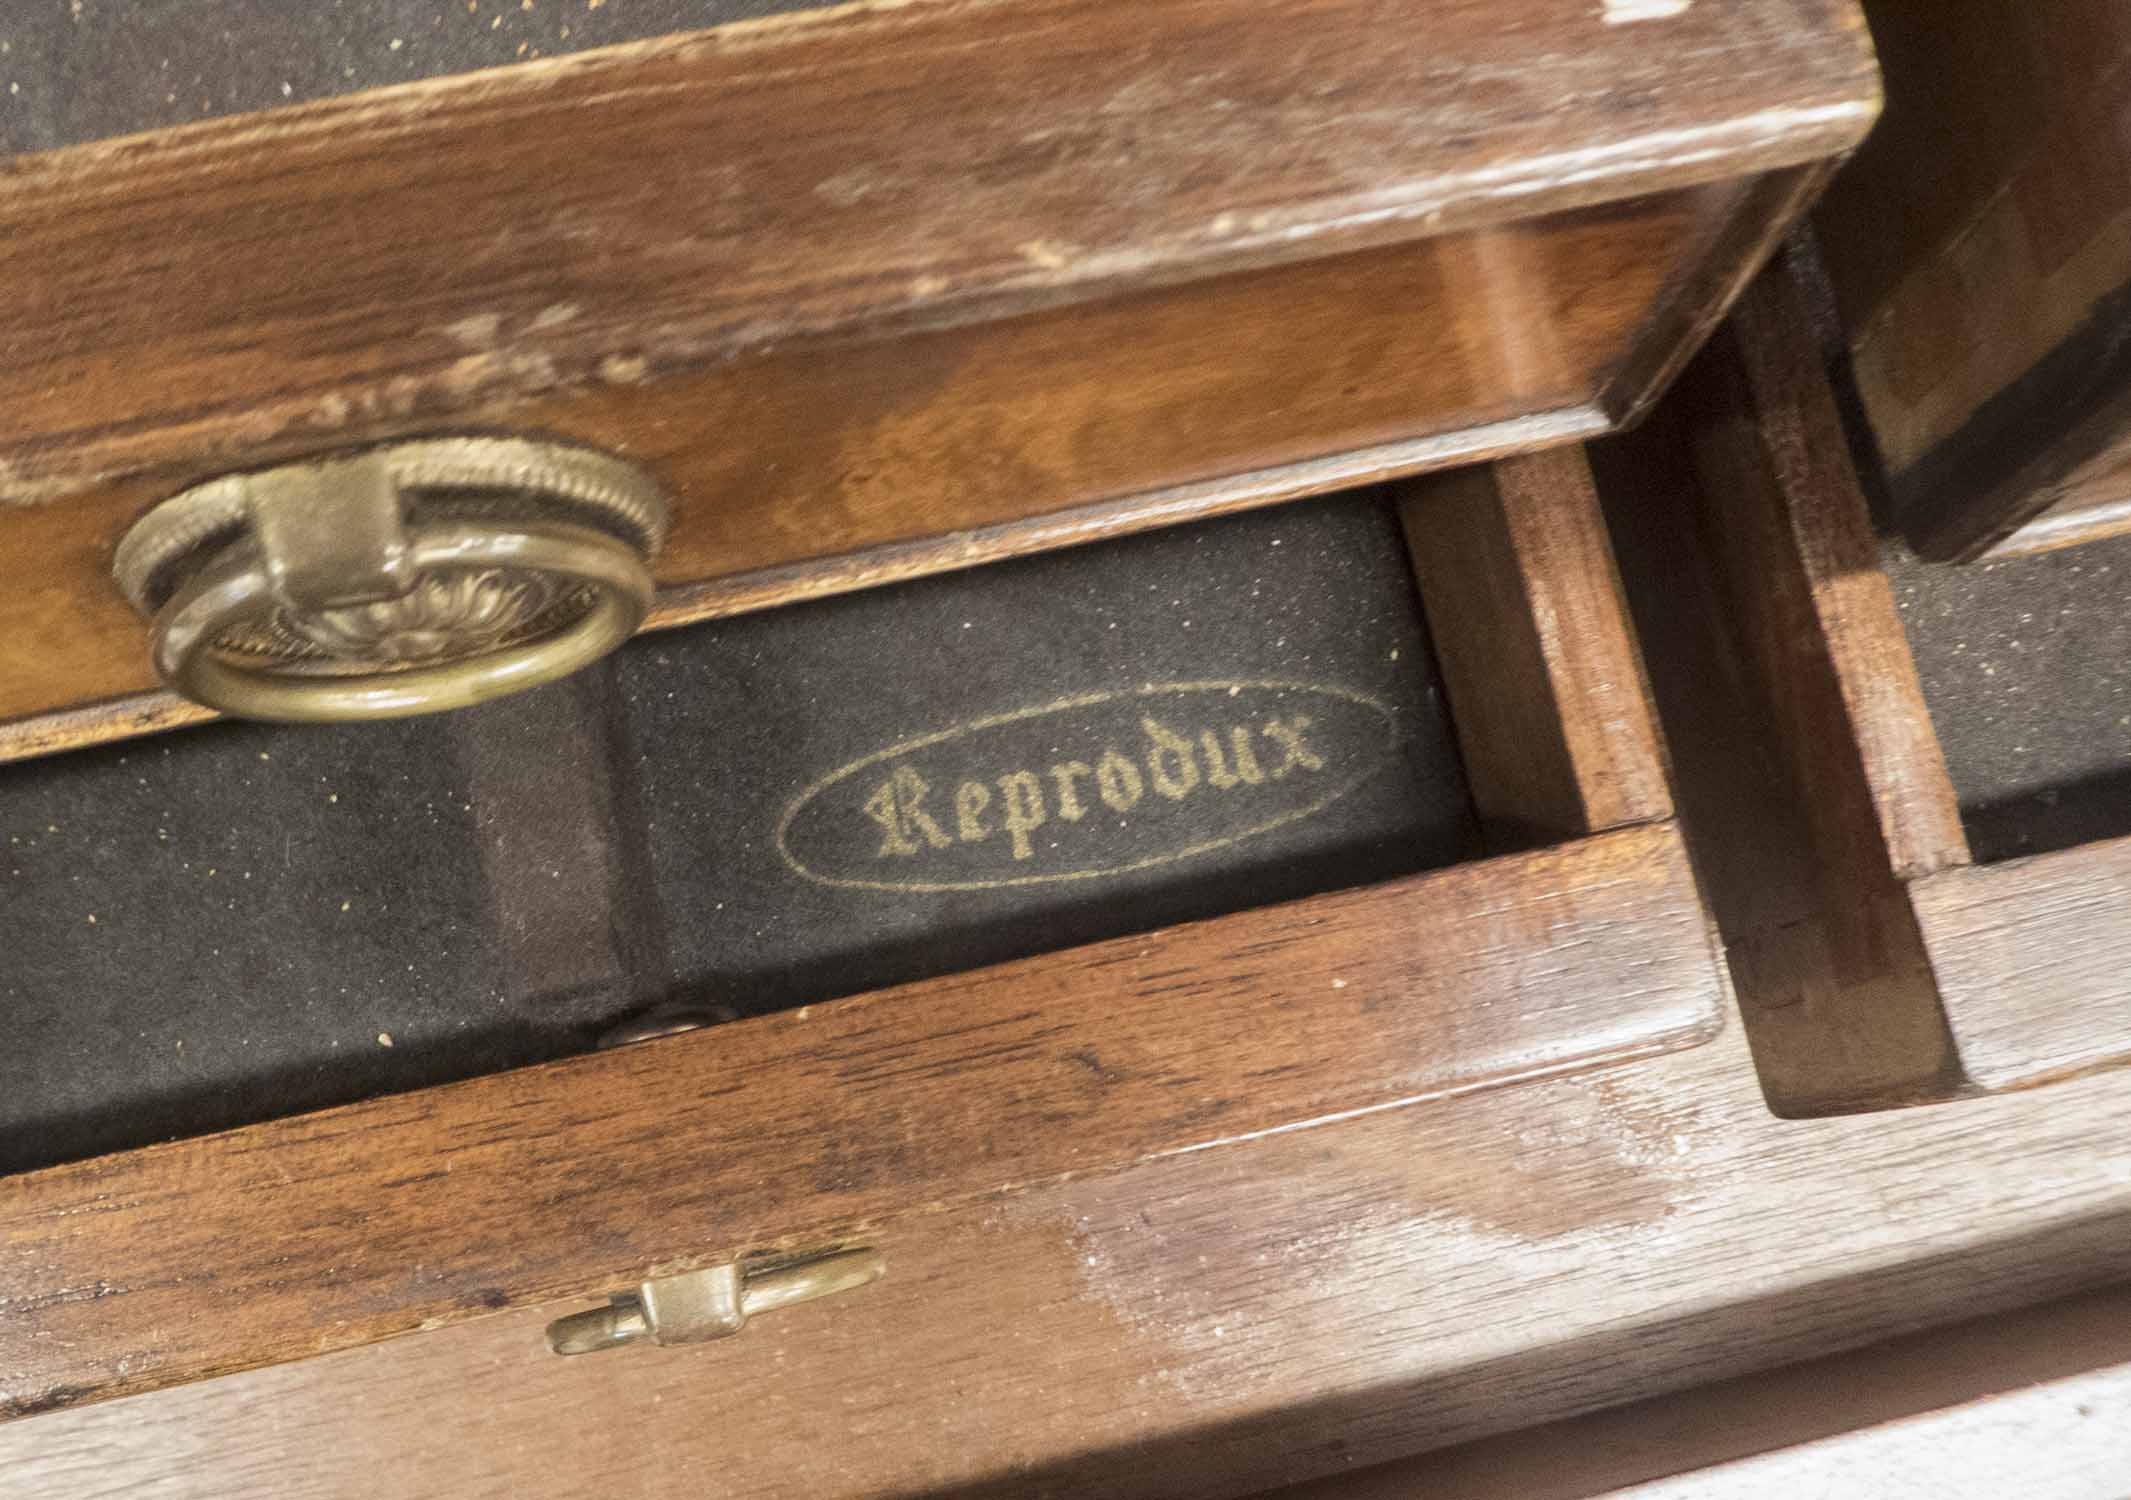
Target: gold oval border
(1087,700)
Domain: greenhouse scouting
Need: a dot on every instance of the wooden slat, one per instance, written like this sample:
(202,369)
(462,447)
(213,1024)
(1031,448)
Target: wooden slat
(441,247)
(2035,1403)
(1536,650)
(1890,971)
(1215,1323)
(303,1235)
(1810,778)
(2033,960)
(1798,449)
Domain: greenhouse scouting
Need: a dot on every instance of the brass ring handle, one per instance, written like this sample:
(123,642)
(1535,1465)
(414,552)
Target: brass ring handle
(425,575)
(237,590)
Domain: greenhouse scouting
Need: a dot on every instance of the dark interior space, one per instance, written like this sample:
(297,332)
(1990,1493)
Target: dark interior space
(266,920)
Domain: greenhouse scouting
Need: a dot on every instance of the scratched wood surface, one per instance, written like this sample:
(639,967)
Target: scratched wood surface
(318,1232)
(1215,1323)
(843,291)
(424,249)
(820,471)
(2033,958)
(2035,1402)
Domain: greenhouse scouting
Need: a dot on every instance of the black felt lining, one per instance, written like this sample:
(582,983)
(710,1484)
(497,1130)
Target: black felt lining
(227,924)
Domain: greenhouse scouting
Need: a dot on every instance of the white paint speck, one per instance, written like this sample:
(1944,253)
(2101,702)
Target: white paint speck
(1623,12)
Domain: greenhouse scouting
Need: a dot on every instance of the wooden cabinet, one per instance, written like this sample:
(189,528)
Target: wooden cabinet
(1184,1207)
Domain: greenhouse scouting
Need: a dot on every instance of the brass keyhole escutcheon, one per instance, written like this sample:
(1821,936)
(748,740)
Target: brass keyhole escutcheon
(407,579)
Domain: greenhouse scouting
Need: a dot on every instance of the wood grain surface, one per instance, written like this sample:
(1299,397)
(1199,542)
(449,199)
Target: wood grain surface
(1219,1322)
(1796,455)
(2033,961)
(1811,780)
(1535,646)
(818,471)
(2035,1402)
(302,1235)
(613,216)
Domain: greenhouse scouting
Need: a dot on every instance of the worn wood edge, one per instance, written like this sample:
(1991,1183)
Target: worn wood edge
(1765,136)
(1829,528)
(2052,530)
(68,1230)
(1667,155)
(720,598)
(1740,248)
(1930,1381)
(2033,960)
(1840,1005)
(1538,655)
(98,723)
(1608,717)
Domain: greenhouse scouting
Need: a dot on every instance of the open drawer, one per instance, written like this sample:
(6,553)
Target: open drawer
(1564,934)
(868,308)
(1879,958)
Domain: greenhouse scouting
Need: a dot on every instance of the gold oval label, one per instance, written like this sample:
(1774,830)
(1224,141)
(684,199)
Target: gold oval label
(1086,787)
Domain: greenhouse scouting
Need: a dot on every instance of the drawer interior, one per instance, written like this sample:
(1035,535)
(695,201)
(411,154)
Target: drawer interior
(239,922)
(2026,667)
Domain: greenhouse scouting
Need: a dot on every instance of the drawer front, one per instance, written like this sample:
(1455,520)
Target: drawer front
(1580,943)
(1213,1323)
(935,317)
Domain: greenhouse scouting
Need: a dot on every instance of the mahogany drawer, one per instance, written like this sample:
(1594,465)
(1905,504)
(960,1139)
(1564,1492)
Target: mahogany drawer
(1281,1309)
(1186,1230)
(1575,939)
(869,311)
